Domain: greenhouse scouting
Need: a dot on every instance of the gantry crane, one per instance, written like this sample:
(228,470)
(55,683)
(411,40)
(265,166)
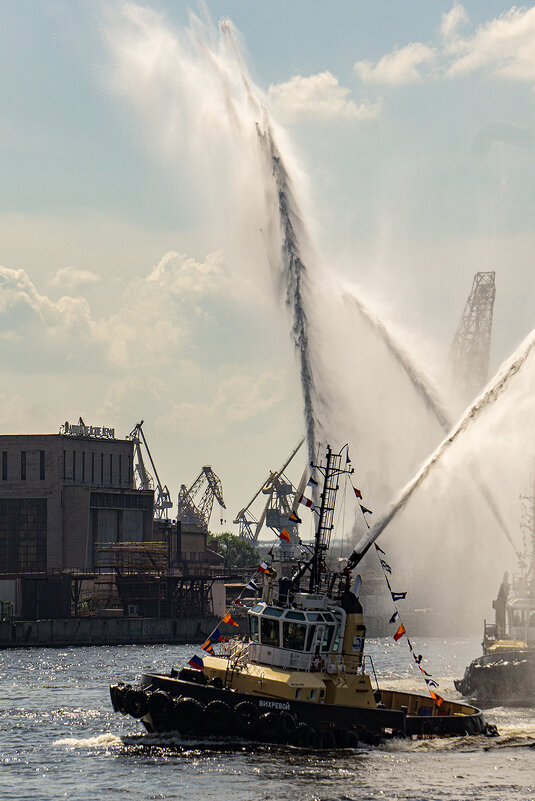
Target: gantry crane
(281,502)
(162,500)
(470,349)
(199,513)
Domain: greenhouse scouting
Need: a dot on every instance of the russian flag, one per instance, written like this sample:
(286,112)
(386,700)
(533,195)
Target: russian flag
(306,502)
(196,662)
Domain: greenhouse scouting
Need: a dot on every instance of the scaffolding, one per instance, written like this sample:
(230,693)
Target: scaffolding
(470,349)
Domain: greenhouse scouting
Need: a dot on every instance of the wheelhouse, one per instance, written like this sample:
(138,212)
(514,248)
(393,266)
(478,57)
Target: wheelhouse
(295,637)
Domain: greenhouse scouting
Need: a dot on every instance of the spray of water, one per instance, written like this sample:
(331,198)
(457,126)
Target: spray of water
(295,273)
(292,236)
(428,393)
(420,382)
(483,402)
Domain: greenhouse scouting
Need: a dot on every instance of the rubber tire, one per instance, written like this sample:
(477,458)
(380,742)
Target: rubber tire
(352,739)
(219,718)
(135,703)
(268,727)
(246,716)
(306,736)
(113,693)
(287,726)
(325,739)
(160,706)
(190,715)
(119,698)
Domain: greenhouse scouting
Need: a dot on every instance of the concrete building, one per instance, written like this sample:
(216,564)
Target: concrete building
(77,537)
(63,494)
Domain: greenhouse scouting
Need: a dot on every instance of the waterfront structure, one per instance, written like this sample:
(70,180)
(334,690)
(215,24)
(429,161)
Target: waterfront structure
(63,494)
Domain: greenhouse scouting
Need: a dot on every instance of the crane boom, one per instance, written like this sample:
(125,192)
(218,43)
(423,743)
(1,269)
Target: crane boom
(162,501)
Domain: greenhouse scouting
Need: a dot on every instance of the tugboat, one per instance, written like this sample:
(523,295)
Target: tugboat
(301,677)
(505,674)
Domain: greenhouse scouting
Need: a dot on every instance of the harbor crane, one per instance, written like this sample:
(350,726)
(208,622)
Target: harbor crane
(199,512)
(470,349)
(280,503)
(162,500)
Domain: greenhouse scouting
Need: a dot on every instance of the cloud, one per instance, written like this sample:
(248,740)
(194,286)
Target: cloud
(37,332)
(70,278)
(320,97)
(237,400)
(451,21)
(180,274)
(397,68)
(502,47)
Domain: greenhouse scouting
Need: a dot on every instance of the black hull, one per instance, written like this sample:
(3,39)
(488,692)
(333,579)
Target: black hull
(506,678)
(168,704)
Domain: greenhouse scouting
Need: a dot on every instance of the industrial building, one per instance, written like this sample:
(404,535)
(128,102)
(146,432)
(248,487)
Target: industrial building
(77,536)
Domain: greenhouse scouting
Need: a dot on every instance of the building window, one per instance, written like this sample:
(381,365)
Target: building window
(130,476)
(83,467)
(42,465)
(64,465)
(102,468)
(111,469)
(4,465)
(74,465)
(23,527)
(23,465)
(92,468)
(120,469)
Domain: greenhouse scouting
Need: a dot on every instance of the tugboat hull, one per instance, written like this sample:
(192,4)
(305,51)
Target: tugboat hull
(169,703)
(502,678)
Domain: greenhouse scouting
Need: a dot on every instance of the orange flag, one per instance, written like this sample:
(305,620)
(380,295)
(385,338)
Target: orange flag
(438,698)
(228,619)
(400,632)
(285,535)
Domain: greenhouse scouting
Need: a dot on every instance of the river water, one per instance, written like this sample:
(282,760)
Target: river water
(60,739)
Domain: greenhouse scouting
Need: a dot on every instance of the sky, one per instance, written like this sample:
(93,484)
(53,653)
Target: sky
(136,277)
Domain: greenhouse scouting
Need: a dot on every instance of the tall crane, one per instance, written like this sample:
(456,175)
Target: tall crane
(470,349)
(280,503)
(162,500)
(199,512)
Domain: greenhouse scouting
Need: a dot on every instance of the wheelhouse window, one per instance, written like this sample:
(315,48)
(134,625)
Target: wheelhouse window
(293,635)
(270,631)
(253,628)
(326,638)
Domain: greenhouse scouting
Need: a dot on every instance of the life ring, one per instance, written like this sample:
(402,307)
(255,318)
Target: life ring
(287,726)
(135,703)
(218,716)
(317,662)
(189,715)
(161,707)
(246,715)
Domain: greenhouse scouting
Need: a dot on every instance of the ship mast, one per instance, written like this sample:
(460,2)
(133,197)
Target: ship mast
(331,470)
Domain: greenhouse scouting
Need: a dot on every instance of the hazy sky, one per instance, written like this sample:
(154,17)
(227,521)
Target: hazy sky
(126,290)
